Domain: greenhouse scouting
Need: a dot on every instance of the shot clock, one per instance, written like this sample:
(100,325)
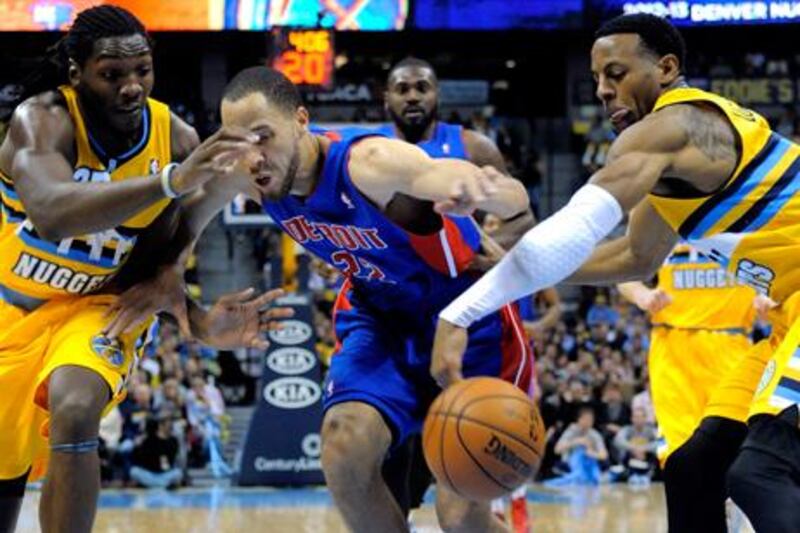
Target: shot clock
(304,56)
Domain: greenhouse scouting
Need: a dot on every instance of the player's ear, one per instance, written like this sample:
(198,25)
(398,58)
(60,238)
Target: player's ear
(669,69)
(302,117)
(74,72)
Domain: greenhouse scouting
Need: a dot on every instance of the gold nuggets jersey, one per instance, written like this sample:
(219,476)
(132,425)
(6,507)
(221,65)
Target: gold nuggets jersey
(704,295)
(752,225)
(37,269)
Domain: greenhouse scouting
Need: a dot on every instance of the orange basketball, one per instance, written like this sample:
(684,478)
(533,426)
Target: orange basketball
(483,438)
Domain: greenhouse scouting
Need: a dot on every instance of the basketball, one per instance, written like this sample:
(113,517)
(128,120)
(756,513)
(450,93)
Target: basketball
(483,437)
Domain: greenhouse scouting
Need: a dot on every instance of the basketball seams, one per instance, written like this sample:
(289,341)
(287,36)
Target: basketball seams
(490,426)
(441,439)
(488,475)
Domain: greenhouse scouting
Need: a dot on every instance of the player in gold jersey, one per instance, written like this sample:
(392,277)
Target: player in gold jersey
(85,180)
(692,163)
(701,320)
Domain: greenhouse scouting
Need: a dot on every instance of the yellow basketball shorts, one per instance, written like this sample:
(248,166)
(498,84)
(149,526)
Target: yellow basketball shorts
(779,386)
(33,345)
(687,370)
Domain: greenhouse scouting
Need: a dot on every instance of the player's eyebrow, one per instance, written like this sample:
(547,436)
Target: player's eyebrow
(263,130)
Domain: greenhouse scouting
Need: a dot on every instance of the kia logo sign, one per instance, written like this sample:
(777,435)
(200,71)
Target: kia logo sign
(291,332)
(291,361)
(292,393)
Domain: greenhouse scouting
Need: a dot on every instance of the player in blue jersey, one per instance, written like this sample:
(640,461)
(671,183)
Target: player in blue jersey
(370,206)
(412,103)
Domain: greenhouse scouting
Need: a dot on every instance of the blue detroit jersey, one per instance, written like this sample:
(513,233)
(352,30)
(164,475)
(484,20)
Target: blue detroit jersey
(390,269)
(447,140)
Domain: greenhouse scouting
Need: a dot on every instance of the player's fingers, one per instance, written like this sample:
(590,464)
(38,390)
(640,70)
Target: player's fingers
(234,133)
(259,343)
(268,297)
(277,313)
(473,193)
(235,297)
(126,320)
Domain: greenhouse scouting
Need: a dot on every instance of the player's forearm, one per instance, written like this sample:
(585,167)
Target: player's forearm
(550,317)
(436,183)
(70,209)
(200,208)
(514,228)
(612,262)
(633,291)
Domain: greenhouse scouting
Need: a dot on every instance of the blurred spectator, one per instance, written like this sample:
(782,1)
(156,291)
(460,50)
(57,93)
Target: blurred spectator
(601,313)
(154,457)
(614,414)
(598,141)
(582,449)
(110,435)
(645,403)
(636,445)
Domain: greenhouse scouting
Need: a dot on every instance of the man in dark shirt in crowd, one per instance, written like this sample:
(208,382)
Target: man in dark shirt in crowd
(154,458)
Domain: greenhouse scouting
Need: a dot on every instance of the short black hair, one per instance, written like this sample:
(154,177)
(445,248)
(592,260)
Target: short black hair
(657,34)
(413,62)
(273,84)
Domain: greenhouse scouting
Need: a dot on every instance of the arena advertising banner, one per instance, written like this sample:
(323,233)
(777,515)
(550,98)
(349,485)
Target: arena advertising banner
(283,443)
(753,91)
(497,14)
(178,15)
(706,12)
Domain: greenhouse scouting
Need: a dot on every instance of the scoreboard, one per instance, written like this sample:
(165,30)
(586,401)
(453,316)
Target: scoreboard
(304,56)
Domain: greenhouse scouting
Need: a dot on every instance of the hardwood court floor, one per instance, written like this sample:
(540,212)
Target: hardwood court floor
(612,508)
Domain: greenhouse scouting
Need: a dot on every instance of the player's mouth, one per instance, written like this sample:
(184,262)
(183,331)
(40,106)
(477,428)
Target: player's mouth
(263,180)
(413,112)
(620,118)
(130,111)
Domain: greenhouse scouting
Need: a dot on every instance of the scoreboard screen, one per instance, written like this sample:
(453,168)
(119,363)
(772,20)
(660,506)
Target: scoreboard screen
(305,56)
(705,12)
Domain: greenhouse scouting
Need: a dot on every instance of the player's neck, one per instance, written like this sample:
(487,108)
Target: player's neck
(111,140)
(312,156)
(416,136)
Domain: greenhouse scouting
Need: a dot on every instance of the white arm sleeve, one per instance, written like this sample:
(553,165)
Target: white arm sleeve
(545,255)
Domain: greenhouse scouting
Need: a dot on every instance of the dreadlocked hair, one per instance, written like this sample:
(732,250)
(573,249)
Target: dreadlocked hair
(90,25)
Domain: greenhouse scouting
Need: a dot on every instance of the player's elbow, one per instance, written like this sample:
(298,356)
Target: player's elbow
(643,267)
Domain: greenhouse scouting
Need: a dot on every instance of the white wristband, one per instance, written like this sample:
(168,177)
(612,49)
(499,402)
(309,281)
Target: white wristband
(166,180)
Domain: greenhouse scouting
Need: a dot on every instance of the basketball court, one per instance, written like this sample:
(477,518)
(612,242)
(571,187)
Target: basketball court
(611,508)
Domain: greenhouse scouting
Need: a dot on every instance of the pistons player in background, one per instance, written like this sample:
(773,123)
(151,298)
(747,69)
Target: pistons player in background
(412,103)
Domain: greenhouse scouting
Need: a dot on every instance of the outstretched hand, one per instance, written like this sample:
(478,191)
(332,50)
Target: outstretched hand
(470,190)
(238,320)
(162,293)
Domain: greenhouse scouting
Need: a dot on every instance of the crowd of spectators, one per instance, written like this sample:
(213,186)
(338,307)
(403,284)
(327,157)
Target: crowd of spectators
(172,419)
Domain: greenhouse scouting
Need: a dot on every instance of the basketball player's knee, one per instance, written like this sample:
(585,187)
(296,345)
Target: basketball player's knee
(353,446)
(75,415)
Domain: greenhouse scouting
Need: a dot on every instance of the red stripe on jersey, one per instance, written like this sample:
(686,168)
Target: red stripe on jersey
(517,364)
(342,303)
(445,251)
